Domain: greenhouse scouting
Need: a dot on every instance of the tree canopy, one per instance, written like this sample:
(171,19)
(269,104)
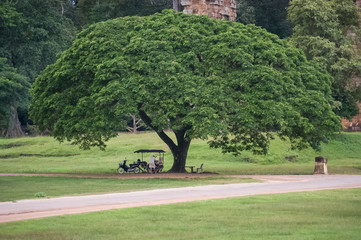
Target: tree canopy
(328,31)
(198,76)
(34,32)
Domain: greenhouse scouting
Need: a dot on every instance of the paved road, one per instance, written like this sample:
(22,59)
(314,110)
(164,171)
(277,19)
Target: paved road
(29,209)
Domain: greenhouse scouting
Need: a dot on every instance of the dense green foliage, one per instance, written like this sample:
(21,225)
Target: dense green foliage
(93,11)
(198,76)
(32,34)
(269,14)
(246,14)
(323,30)
(14,94)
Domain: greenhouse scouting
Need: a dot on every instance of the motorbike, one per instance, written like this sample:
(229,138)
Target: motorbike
(124,168)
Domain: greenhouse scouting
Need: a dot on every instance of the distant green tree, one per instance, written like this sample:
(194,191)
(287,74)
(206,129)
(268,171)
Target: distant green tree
(14,94)
(272,15)
(32,33)
(323,31)
(246,13)
(35,35)
(93,11)
(195,75)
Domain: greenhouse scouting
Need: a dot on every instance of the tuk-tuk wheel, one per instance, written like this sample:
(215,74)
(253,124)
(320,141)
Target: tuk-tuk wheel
(120,170)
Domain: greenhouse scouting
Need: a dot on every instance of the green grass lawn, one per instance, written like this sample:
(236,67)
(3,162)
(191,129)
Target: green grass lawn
(19,187)
(45,155)
(321,215)
(310,215)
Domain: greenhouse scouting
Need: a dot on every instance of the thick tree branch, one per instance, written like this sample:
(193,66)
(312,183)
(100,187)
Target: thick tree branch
(148,121)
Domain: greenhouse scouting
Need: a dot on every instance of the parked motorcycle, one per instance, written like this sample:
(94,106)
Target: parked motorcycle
(124,168)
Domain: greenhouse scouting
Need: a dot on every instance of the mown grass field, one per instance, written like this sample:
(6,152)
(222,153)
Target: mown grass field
(321,215)
(45,155)
(318,215)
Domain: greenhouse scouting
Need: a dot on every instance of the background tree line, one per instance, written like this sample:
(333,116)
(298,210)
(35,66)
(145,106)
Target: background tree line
(34,32)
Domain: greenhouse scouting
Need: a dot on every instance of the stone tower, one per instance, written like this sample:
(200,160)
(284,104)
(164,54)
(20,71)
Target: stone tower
(220,9)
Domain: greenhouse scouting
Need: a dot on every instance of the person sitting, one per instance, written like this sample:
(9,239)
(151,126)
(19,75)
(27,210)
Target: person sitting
(160,164)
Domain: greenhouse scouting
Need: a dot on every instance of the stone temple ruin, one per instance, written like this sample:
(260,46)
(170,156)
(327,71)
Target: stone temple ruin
(220,9)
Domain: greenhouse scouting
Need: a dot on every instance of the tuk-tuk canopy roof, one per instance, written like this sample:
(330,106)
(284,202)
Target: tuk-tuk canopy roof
(149,151)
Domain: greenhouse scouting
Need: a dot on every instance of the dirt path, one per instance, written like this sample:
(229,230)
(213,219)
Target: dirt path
(30,209)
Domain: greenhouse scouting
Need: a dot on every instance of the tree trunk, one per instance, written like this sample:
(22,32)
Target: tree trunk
(179,152)
(180,157)
(14,127)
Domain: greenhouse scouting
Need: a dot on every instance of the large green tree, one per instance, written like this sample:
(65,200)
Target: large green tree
(198,76)
(328,31)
